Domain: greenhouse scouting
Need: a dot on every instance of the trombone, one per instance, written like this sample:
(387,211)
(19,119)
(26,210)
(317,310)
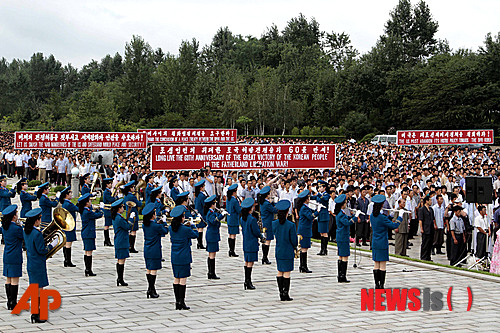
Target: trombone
(298,248)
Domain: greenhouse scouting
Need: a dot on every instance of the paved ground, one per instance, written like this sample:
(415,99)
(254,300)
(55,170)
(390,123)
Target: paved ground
(320,303)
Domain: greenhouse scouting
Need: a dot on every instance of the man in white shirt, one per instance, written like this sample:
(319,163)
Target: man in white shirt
(482,226)
(209,182)
(439,209)
(9,157)
(18,159)
(40,163)
(49,163)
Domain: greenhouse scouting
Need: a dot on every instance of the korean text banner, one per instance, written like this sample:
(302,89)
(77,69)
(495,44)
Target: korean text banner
(79,140)
(461,137)
(179,135)
(242,157)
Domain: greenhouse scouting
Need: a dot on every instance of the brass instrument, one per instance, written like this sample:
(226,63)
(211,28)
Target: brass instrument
(63,221)
(117,187)
(140,185)
(130,205)
(96,175)
(313,204)
(297,250)
(168,202)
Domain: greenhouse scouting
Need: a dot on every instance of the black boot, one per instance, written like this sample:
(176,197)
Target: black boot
(182,297)
(200,241)
(211,270)
(326,245)
(13,296)
(88,265)
(7,292)
(151,286)
(376,278)
(248,278)
(324,242)
(303,263)
(35,318)
(382,279)
(286,289)
(232,244)
(279,279)
(120,268)
(344,272)
(339,271)
(265,253)
(67,257)
(131,239)
(107,240)
(176,293)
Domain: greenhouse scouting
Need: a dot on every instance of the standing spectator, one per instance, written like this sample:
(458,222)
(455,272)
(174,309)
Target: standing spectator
(32,162)
(69,166)
(40,164)
(26,158)
(18,159)
(427,225)
(49,166)
(61,170)
(9,158)
(439,209)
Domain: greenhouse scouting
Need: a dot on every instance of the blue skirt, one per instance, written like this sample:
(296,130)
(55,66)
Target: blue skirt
(202,224)
(233,230)
(344,249)
(269,234)
(108,221)
(136,226)
(305,243)
(153,264)
(71,235)
(39,276)
(122,253)
(380,255)
(284,265)
(88,244)
(212,246)
(251,256)
(13,270)
(181,271)
(323,227)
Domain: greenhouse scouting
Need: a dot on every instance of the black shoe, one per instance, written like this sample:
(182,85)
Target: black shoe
(303,263)
(365,244)
(35,318)
(248,285)
(182,296)
(433,252)
(151,286)
(233,254)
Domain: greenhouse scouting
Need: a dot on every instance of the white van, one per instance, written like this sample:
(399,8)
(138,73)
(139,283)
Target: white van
(384,139)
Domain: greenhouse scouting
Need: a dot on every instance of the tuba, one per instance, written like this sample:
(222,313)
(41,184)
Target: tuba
(130,205)
(169,202)
(117,187)
(297,250)
(140,185)
(63,221)
(96,175)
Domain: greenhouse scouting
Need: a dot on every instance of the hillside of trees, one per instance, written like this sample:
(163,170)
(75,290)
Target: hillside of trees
(296,80)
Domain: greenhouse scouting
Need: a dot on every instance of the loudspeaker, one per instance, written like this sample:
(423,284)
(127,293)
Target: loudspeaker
(479,190)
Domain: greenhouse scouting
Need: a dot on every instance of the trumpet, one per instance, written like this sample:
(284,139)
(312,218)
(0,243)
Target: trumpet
(297,250)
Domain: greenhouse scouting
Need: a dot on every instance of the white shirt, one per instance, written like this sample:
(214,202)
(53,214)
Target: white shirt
(439,215)
(481,222)
(40,163)
(19,160)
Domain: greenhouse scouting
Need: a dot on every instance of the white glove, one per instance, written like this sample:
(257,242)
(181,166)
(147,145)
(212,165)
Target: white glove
(358,212)
(132,216)
(191,221)
(94,194)
(58,194)
(276,199)
(54,242)
(36,188)
(101,204)
(224,213)
(164,219)
(318,208)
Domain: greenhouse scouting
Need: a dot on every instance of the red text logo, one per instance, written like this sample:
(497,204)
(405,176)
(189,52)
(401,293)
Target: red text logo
(39,301)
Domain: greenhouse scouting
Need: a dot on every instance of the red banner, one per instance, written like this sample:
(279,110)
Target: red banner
(79,140)
(242,157)
(462,137)
(179,135)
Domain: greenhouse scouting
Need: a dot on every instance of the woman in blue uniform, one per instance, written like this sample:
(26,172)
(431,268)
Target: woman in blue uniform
(128,192)
(251,235)
(155,199)
(180,255)
(45,203)
(85,184)
(213,219)
(174,191)
(199,202)
(149,187)
(182,200)
(233,220)
(107,199)
(153,232)
(64,199)
(286,243)
(380,240)
(267,212)
(121,228)
(88,230)
(306,218)
(26,198)
(343,231)
(5,193)
(36,253)
(12,254)
(323,198)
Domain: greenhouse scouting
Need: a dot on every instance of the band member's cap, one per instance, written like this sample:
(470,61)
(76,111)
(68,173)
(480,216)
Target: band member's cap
(148,209)
(34,212)
(9,210)
(156,189)
(201,182)
(84,197)
(283,205)
(107,180)
(3,177)
(183,194)
(149,176)
(340,199)
(265,190)
(322,182)
(232,187)
(66,190)
(23,180)
(303,194)
(129,184)
(117,203)
(86,175)
(177,211)
(210,199)
(379,198)
(247,203)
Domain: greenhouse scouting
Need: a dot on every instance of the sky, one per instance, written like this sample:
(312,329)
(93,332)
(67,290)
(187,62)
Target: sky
(78,31)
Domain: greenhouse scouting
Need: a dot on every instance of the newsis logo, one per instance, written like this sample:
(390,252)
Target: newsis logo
(413,299)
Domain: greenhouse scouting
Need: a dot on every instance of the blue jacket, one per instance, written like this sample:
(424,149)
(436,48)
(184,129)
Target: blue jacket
(46,205)
(251,234)
(85,189)
(13,249)
(323,199)
(131,197)
(180,249)
(343,227)
(187,212)
(147,193)
(88,222)
(26,200)
(70,207)
(234,209)
(306,218)
(152,239)
(159,207)
(5,195)
(213,222)
(199,201)
(362,204)
(286,239)
(380,225)
(36,253)
(174,193)
(108,199)
(267,211)
(121,228)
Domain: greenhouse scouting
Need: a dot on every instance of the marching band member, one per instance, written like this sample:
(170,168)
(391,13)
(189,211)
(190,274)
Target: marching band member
(380,239)
(306,217)
(149,187)
(155,198)
(233,221)
(45,203)
(12,254)
(107,199)
(286,243)
(5,194)
(199,202)
(180,254)
(182,200)
(267,212)
(251,235)
(25,197)
(128,191)
(64,199)
(323,198)
(153,232)
(88,230)
(84,184)
(36,253)
(343,232)
(174,191)
(213,219)
(121,229)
